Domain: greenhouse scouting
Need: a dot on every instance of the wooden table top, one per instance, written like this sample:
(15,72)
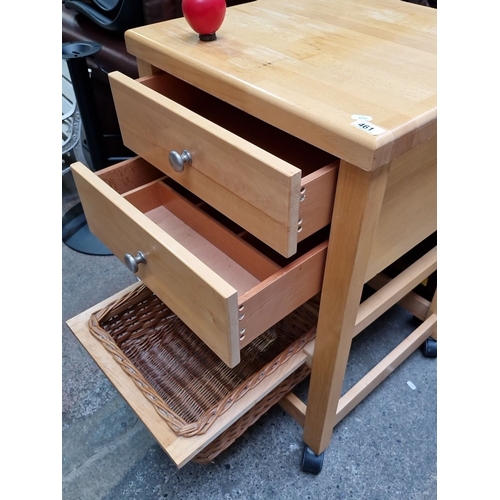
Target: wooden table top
(357,79)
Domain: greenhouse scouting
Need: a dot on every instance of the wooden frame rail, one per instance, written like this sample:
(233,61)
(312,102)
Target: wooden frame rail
(389,292)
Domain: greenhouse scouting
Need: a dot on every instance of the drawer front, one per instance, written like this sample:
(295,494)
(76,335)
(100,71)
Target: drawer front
(251,186)
(204,301)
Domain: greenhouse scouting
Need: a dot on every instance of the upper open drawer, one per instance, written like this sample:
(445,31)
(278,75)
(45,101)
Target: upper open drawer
(275,186)
(225,284)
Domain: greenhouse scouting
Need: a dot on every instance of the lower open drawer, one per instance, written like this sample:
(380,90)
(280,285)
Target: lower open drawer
(226,285)
(182,392)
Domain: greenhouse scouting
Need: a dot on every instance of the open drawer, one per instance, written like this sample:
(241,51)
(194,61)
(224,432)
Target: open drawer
(204,267)
(277,187)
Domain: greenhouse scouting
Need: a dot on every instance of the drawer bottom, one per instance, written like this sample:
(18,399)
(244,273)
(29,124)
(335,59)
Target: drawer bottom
(180,389)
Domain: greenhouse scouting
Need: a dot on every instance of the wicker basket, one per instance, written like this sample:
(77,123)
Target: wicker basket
(230,435)
(188,385)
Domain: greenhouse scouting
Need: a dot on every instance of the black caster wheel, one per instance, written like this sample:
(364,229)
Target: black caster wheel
(429,348)
(311,462)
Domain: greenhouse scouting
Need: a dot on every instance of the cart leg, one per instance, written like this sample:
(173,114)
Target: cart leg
(358,201)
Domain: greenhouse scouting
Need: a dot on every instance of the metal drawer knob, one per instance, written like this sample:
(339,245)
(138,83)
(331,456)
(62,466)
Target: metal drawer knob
(133,262)
(177,161)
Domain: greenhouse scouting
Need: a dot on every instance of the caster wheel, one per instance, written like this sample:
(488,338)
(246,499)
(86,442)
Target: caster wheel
(429,348)
(311,462)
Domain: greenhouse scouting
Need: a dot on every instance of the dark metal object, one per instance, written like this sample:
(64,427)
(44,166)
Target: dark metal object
(77,236)
(75,230)
(75,54)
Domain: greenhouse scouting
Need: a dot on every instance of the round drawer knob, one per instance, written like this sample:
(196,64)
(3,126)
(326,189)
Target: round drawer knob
(133,262)
(177,161)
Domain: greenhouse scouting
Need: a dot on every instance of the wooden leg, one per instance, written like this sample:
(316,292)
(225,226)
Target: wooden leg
(145,69)
(358,201)
(433,310)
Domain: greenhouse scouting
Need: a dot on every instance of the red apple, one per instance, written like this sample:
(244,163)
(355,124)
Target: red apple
(204,16)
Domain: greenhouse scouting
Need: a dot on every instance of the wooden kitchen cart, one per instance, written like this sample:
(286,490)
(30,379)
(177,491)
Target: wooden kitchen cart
(292,157)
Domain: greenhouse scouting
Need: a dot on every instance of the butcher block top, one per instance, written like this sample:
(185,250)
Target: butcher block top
(356,79)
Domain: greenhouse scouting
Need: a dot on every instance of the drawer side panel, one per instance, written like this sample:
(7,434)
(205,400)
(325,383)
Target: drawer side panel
(282,293)
(409,209)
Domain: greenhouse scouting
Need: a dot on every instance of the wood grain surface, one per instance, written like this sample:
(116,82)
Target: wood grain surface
(309,67)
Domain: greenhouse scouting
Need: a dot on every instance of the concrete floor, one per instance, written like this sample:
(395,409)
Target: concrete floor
(384,449)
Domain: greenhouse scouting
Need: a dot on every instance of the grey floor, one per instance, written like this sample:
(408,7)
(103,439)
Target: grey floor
(384,449)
